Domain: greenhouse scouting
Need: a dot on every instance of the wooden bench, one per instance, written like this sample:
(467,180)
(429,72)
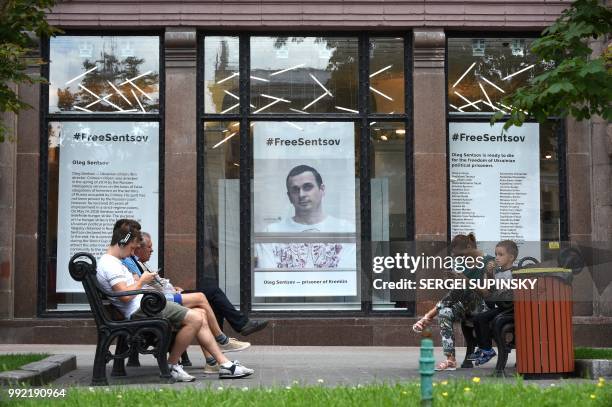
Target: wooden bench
(150,335)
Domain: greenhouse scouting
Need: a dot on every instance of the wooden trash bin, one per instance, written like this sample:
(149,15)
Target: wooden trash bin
(543,322)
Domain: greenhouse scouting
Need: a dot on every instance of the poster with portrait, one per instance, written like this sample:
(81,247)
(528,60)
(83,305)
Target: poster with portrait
(107,171)
(304,209)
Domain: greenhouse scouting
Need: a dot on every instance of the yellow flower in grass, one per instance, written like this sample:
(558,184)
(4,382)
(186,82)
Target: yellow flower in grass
(476,379)
(601,380)
(445,394)
(467,389)
(404,393)
(435,384)
(444,383)
(593,397)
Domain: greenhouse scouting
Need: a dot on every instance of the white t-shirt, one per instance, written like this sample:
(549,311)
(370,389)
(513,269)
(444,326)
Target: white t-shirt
(329,225)
(110,272)
(301,255)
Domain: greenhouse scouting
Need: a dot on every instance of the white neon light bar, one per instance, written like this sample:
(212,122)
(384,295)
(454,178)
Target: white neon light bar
(295,126)
(257,78)
(518,72)
(314,101)
(485,93)
(230,108)
(494,107)
(298,111)
(466,99)
(93,103)
(137,100)
(492,84)
(510,108)
(105,99)
(465,73)
(90,92)
(119,92)
(81,75)
(266,106)
(228,78)
(321,85)
(455,107)
(134,78)
(287,70)
(82,109)
(373,123)
(381,94)
(231,94)
(141,91)
(380,71)
(225,139)
(470,104)
(346,109)
(275,98)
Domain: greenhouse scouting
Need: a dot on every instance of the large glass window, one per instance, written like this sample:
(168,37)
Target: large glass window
(481,71)
(503,184)
(111,74)
(300,150)
(102,156)
(304,75)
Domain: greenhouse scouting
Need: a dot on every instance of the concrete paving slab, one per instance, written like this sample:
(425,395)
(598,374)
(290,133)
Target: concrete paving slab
(280,366)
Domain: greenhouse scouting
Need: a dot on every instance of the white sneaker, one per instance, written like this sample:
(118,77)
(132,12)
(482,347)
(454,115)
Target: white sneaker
(235,371)
(179,374)
(234,345)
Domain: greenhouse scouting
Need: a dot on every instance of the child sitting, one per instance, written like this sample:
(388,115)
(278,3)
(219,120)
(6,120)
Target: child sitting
(506,253)
(457,304)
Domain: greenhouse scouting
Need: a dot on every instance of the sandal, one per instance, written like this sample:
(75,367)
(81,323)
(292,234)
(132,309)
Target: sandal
(446,365)
(421,324)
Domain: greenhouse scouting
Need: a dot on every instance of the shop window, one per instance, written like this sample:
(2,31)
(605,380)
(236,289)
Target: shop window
(503,184)
(387,84)
(303,75)
(481,71)
(102,157)
(389,201)
(297,146)
(95,74)
(221,75)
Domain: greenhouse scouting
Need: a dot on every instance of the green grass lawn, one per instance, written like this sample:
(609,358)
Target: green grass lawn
(593,353)
(14,361)
(446,393)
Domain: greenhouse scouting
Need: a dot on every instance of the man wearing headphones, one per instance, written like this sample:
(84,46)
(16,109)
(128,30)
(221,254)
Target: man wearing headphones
(114,276)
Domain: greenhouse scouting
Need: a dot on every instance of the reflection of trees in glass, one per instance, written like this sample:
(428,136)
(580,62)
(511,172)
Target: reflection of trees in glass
(497,63)
(116,71)
(339,76)
(222,69)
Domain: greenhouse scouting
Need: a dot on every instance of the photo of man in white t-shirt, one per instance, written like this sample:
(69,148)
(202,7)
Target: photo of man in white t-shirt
(305,191)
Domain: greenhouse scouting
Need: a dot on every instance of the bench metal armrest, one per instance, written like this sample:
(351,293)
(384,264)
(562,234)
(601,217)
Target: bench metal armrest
(152,301)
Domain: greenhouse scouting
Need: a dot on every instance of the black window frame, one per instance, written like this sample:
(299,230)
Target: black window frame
(46,117)
(363,118)
(559,125)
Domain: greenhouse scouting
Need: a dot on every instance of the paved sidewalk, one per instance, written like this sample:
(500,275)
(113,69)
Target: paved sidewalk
(277,366)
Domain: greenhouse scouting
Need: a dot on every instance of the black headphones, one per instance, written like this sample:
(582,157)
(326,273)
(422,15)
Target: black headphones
(124,241)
